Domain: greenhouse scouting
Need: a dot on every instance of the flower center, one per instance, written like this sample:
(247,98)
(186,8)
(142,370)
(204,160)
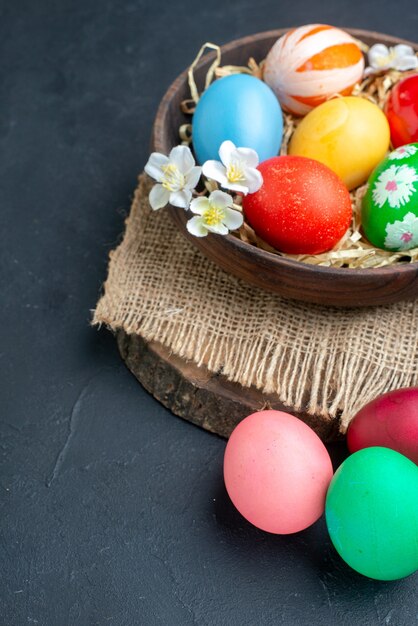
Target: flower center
(235,172)
(214,215)
(391,185)
(174,180)
(386,59)
(406,237)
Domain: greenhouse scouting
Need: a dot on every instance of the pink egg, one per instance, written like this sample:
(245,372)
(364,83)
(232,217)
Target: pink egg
(390,421)
(277,472)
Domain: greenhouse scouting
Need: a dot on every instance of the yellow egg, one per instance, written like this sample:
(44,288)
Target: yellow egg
(351,135)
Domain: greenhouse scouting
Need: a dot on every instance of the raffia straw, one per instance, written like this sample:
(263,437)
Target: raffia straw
(353,250)
(185,134)
(364,47)
(186,105)
(253,68)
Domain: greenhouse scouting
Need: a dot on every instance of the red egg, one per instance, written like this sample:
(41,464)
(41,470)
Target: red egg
(389,421)
(277,472)
(402,111)
(302,207)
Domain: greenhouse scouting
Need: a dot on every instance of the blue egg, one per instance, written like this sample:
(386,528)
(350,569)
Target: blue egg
(240,108)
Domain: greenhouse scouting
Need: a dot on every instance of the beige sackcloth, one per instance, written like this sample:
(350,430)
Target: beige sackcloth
(323,360)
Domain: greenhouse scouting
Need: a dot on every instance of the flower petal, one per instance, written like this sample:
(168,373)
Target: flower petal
(220,199)
(248,156)
(181,198)
(233,219)
(192,178)
(376,53)
(226,151)
(158,197)
(154,165)
(218,229)
(199,205)
(236,187)
(196,227)
(182,157)
(370,70)
(215,171)
(407,62)
(401,50)
(253,179)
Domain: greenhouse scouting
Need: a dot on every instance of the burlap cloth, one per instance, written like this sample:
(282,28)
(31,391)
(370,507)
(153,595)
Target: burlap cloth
(325,360)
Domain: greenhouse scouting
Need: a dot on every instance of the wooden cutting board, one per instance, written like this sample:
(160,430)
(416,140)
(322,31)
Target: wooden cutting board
(206,399)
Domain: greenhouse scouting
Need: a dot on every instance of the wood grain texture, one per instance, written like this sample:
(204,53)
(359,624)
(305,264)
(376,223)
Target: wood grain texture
(292,279)
(205,399)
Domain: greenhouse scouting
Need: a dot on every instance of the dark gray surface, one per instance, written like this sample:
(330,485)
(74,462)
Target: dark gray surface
(112,510)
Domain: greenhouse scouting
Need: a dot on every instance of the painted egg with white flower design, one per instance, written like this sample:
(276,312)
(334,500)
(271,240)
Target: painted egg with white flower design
(239,108)
(390,205)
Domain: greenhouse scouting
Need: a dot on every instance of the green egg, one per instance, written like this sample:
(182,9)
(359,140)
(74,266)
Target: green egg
(389,212)
(371,513)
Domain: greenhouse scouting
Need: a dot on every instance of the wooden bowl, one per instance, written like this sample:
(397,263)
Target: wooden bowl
(289,278)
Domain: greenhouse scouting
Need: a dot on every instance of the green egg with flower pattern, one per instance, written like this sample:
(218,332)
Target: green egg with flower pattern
(389,211)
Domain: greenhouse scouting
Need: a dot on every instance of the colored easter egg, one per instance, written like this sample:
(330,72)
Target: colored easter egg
(302,207)
(310,64)
(402,111)
(371,513)
(350,135)
(391,421)
(240,108)
(389,212)
(277,472)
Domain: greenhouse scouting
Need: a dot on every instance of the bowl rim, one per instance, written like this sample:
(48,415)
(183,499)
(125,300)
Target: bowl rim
(158,145)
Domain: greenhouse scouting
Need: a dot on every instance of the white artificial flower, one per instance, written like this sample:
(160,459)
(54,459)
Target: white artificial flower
(395,186)
(399,57)
(238,169)
(213,214)
(403,234)
(176,175)
(403,152)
